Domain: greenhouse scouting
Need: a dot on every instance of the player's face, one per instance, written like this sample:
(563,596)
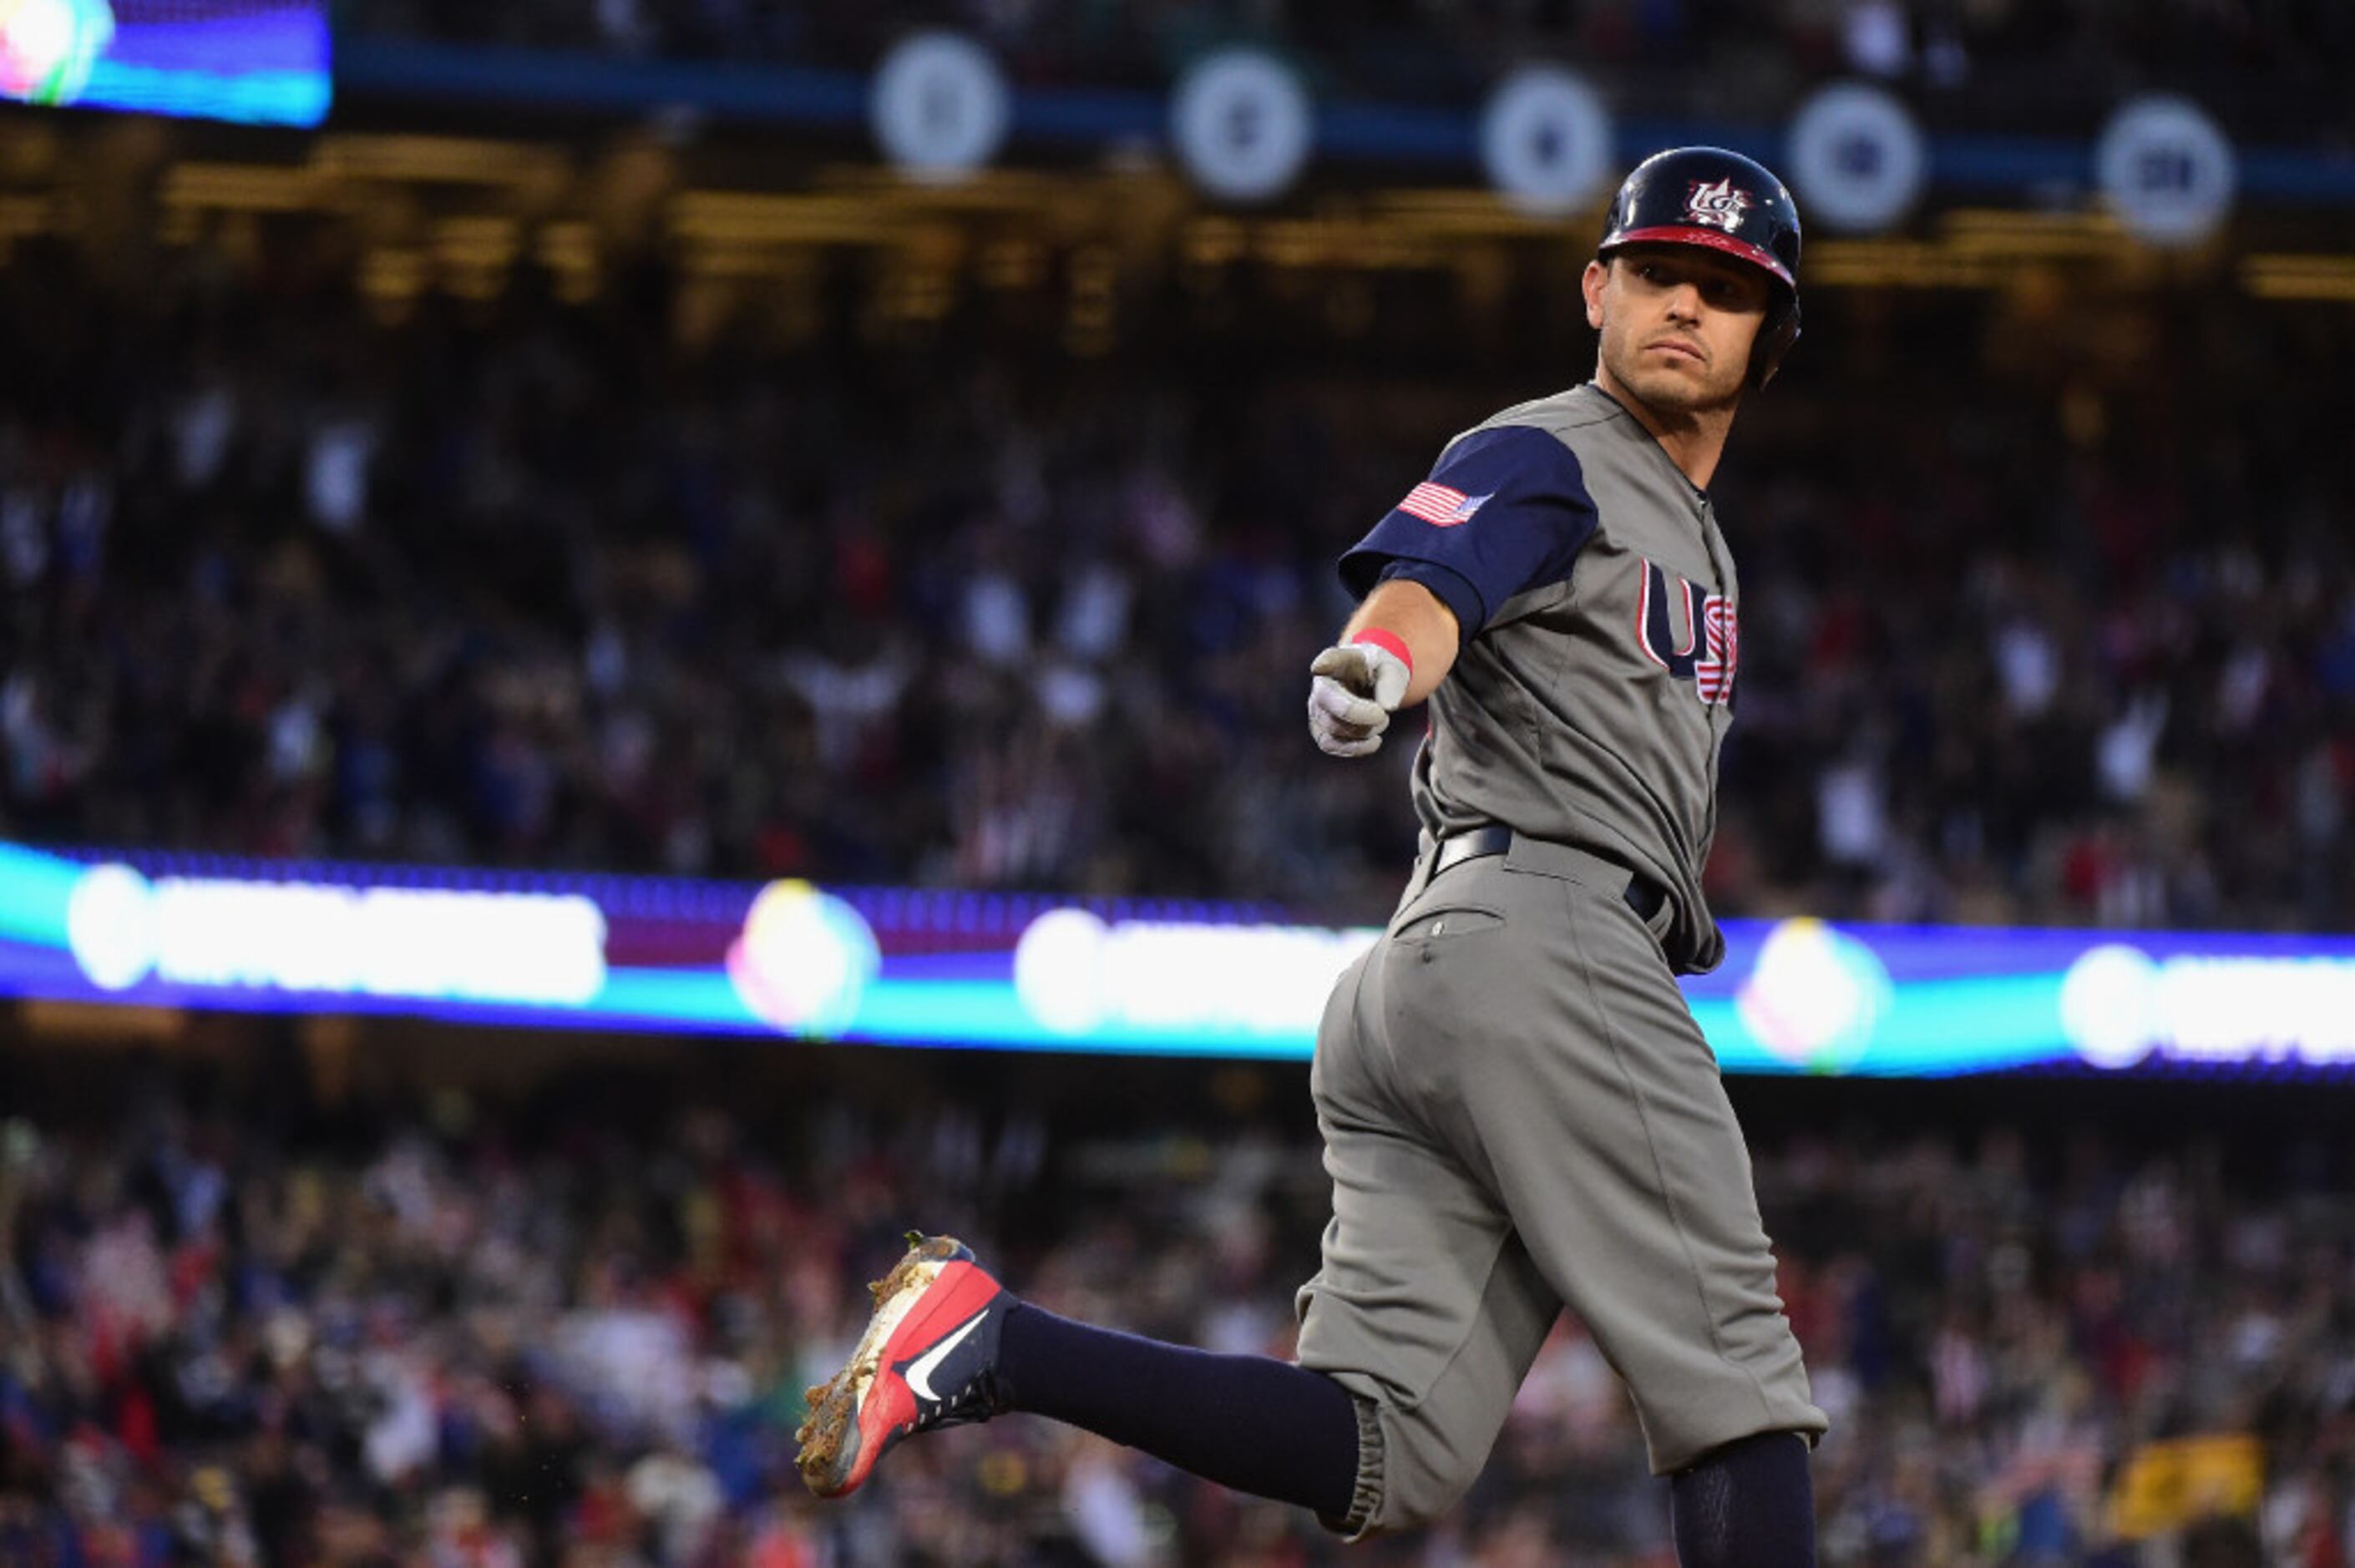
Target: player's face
(1677,324)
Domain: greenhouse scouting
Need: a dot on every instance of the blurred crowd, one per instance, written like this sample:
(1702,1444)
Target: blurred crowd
(449,1336)
(2048,600)
(2037,56)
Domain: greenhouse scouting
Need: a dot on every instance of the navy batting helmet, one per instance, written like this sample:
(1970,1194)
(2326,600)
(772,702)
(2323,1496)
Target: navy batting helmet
(1724,202)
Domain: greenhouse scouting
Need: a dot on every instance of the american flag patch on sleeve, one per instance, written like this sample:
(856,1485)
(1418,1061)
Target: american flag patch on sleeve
(1439,506)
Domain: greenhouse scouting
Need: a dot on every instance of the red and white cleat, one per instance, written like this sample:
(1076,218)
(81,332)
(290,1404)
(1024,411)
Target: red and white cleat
(928,1359)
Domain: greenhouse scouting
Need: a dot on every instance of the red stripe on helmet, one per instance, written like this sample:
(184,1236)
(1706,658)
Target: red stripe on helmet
(1710,239)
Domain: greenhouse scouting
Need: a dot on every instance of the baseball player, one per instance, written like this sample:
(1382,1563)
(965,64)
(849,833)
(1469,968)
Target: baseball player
(1518,1108)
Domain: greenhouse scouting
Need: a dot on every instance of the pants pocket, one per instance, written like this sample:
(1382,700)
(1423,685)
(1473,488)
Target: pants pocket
(1449,922)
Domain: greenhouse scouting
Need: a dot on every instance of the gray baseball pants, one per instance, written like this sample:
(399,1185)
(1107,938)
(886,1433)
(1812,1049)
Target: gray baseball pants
(1520,1114)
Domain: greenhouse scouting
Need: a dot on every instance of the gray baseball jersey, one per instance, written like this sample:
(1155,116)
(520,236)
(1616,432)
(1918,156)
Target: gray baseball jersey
(1593,690)
(1518,1111)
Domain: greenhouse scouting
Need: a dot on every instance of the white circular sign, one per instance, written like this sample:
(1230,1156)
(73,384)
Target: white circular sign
(1243,125)
(2109,1005)
(804,959)
(939,106)
(111,926)
(1059,970)
(2167,170)
(1545,140)
(1857,159)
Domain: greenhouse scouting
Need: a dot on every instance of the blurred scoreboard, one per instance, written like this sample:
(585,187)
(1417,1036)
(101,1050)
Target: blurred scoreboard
(244,60)
(790,960)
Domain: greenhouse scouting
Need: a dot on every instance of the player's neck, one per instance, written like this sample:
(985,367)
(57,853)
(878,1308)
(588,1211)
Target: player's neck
(1694,439)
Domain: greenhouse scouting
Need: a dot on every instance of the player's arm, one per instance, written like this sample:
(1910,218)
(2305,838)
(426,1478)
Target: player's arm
(1402,610)
(1505,509)
(1393,653)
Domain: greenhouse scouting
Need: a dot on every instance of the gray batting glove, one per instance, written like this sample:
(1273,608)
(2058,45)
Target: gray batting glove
(1357,685)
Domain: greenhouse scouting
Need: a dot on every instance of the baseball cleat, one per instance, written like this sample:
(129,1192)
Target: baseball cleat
(928,1359)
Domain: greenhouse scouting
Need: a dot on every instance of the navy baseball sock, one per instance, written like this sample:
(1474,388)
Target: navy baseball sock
(1747,1505)
(1252,1422)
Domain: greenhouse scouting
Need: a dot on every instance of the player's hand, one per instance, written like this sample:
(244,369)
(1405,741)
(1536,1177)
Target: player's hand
(1356,687)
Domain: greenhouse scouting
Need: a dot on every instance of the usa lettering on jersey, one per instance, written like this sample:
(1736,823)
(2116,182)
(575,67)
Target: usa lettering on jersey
(1712,639)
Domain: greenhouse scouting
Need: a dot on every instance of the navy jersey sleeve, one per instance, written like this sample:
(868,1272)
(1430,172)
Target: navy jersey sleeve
(1504,511)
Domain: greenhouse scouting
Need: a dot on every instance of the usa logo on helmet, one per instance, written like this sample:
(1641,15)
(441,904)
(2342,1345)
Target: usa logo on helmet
(1717,203)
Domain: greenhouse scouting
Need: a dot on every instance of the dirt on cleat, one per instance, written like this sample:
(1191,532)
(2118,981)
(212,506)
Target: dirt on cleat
(923,1250)
(819,1449)
(833,1405)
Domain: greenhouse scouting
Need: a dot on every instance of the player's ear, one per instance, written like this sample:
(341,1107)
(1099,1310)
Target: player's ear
(1590,283)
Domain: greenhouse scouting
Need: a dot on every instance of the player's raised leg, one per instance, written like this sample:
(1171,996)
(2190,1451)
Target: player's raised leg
(948,1345)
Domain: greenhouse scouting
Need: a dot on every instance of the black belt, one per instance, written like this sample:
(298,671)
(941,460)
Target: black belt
(1643,895)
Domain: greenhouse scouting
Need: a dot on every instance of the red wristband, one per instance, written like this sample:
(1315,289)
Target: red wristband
(1388,642)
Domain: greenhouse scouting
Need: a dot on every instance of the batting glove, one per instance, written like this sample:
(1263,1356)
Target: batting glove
(1357,685)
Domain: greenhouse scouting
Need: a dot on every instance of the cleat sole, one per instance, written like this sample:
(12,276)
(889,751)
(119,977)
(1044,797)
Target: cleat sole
(829,1454)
